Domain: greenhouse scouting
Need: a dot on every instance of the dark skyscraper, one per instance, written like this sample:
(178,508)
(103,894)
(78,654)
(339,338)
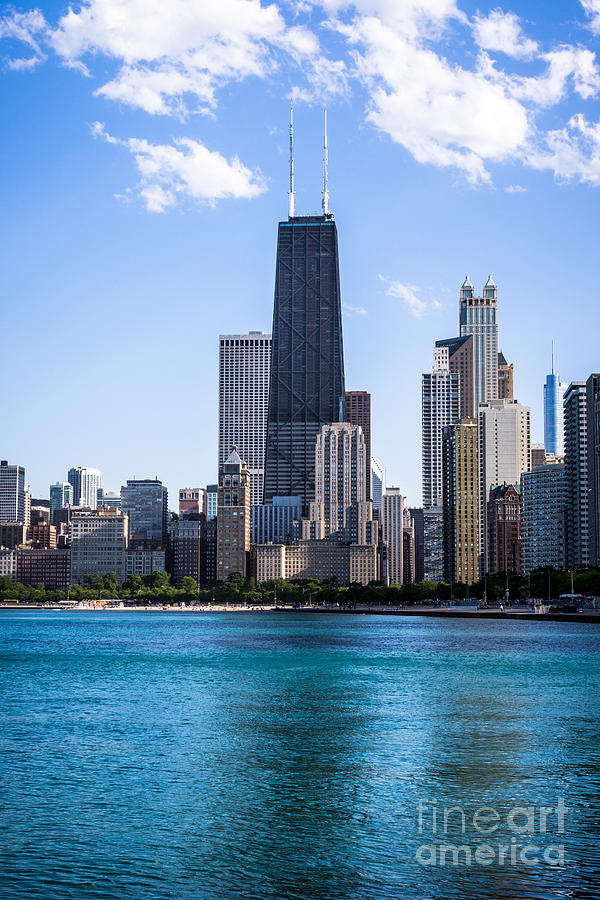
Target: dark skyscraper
(307,364)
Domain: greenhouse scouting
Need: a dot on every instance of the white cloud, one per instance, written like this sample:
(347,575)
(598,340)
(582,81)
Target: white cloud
(443,114)
(27,28)
(410,296)
(572,153)
(186,169)
(515,189)
(501,31)
(592,8)
(354,310)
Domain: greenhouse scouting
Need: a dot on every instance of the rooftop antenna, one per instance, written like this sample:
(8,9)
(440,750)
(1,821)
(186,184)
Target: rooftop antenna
(291,191)
(325,164)
(553,357)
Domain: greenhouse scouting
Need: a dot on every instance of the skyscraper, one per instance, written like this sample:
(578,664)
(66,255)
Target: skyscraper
(478,316)
(504,454)
(593,452)
(392,528)
(543,517)
(554,423)
(146,503)
(233,517)
(358,412)
(461,363)
(440,396)
(340,510)
(504,529)
(505,378)
(307,364)
(576,476)
(244,368)
(376,483)
(461,503)
(61,495)
(98,543)
(593,449)
(86,482)
(12,493)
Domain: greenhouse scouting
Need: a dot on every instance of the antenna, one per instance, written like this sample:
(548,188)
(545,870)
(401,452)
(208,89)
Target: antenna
(291,191)
(553,357)
(325,164)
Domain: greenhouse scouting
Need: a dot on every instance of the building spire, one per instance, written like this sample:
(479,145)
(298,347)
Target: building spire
(553,356)
(325,172)
(291,195)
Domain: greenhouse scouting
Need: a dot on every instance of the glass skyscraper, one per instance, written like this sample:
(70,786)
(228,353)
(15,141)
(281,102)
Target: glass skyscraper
(307,364)
(554,421)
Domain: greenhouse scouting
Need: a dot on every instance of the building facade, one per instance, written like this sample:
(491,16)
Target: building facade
(185,541)
(433,543)
(376,484)
(504,454)
(86,483)
(192,501)
(12,493)
(50,567)
(577,529)
(146,504)
(277,522)
(392,531)
(416,515)
(440,406)
(543,517)
(358,412)
(340,509)
(307,365)
(141,561)
(61,495)
(347,563)
(479,317)
(554,423)
(461,363)
(233,517)
(244,374)
(592,414)
(504,530)
(99,540)
(505,378)
(461,503)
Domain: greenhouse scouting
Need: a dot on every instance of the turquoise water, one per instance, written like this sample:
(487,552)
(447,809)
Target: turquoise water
(284,755)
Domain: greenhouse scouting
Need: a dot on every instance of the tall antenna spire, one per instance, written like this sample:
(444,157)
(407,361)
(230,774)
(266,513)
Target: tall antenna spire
(553,357)
(325,164)
(291,195)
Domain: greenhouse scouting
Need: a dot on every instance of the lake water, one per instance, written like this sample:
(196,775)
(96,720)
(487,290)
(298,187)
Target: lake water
(284,755)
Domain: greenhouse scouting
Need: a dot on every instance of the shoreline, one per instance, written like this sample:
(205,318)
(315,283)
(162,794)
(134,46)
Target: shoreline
(589,616)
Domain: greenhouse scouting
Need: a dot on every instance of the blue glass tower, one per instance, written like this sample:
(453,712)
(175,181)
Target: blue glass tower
(554,436)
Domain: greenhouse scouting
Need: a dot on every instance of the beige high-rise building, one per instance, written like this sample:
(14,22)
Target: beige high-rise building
(461,502)
(504,454)
(233,517)
(341,510)
(339,537)
(392,529)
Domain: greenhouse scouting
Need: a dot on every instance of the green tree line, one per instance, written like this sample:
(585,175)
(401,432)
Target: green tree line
(158,588)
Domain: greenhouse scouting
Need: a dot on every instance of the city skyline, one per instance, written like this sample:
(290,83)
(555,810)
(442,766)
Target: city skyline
(152,283)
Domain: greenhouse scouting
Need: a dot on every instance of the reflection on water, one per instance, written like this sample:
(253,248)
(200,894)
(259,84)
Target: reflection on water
(286,755)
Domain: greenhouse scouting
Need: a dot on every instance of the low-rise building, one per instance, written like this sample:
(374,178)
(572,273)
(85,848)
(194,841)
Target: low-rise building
(99,539)
(142,561)
(8,564)
(50,567)
(320,559)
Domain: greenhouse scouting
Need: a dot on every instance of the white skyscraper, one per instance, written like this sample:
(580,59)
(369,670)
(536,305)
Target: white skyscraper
(86,483)
(440,396)
(392,526)
(244,372)
(479,317)
(12,493)
(504,454)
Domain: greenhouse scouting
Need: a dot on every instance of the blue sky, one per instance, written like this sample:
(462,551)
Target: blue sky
(144,170)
